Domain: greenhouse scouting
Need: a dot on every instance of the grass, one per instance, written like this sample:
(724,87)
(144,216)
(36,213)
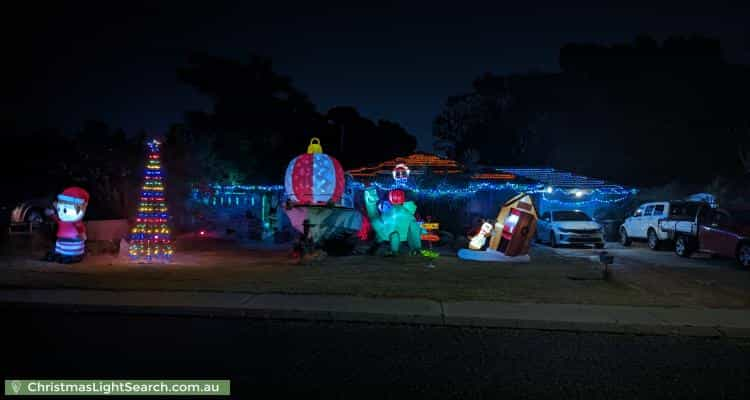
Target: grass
(220,266)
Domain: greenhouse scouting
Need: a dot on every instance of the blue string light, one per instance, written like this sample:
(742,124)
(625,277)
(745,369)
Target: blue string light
(605,195)
(583,203)
(242,189)
(474,187)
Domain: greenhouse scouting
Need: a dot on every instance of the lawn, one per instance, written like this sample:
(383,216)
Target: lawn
(221,266)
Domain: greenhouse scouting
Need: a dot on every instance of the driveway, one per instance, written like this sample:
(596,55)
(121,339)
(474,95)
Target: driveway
(700,279)
(640,254)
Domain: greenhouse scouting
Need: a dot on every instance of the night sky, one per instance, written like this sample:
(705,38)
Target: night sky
(117,63)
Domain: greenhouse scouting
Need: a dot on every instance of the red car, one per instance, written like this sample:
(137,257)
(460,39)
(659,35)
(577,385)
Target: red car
(723,232)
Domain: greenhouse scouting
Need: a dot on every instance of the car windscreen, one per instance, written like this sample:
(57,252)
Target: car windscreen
(570,216)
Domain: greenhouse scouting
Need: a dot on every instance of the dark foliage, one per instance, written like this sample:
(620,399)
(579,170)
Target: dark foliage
(641,113)
(260,121)
(103,161)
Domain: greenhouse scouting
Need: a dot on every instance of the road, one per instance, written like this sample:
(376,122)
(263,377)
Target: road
(348,360)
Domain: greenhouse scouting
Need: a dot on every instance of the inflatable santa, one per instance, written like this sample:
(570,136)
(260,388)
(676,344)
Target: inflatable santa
(71,232)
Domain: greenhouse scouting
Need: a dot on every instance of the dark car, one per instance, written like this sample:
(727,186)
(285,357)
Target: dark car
(723,232)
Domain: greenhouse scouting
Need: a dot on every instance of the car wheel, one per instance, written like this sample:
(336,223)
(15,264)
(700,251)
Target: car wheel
(743,254)
(683,247)
(624,238)
(653,240)
(552,240)
(35,217)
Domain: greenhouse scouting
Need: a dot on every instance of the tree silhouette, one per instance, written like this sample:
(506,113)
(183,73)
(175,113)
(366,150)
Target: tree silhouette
(640,113)
(260,121)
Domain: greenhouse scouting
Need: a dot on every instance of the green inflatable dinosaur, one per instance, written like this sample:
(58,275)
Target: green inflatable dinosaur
(394,225)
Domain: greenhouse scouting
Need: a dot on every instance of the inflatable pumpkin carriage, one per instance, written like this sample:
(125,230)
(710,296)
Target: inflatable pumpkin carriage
(319,201)
(509,237)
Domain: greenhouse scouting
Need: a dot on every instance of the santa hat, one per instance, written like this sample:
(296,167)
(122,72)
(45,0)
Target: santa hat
(74,195)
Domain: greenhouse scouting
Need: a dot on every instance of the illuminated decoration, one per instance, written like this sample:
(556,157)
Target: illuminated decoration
(242,189)
(69,210)
(384,206)
(510,239)
(493,176)
(150,238)
(478,241)
(314,178)
(430,254)
(568,184)
(396,197)
(518,229)
(317,207)
(449,190)
(364,230)
(394,226)
(552,187)
(578,193)
(602,195)
(430,231)
(430,234)
(400,173)
(557,187)
(438,165)
(523,202)
(584,203)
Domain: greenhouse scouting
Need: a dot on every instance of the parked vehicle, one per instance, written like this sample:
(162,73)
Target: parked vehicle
(569,227)
(644,223)
(719,232)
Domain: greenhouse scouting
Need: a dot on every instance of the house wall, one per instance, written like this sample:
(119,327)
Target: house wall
(457,214)
(253,215)
(460,214)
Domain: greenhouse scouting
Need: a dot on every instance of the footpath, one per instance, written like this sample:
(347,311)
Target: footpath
(708,322)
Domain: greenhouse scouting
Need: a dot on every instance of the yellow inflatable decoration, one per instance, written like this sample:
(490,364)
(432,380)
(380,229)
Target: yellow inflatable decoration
(314,147)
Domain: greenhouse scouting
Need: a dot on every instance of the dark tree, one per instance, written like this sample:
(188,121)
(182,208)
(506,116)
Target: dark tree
(364,141)
(643,113)
(257,114)
(260,121)
(495,123)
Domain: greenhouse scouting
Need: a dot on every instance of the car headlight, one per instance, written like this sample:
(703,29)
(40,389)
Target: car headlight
(564,230)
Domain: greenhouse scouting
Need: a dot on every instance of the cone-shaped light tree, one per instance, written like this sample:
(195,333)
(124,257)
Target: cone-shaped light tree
(150,239)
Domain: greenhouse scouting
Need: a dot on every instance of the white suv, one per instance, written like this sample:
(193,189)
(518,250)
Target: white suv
(644,224)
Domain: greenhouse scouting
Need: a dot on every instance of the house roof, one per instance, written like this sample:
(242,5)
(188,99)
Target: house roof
(437,165)
(560,179)
(417,162)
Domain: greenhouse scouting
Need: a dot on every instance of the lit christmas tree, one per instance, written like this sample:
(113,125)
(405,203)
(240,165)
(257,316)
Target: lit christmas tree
(150,238)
